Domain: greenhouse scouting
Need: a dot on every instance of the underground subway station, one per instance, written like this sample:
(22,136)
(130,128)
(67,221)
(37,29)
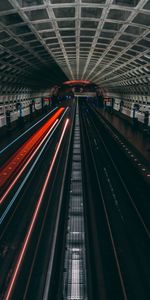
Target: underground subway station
(75,149)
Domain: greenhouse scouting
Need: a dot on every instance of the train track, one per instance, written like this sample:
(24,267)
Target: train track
(69,279)
(119,247)
(116,236)
(28,234)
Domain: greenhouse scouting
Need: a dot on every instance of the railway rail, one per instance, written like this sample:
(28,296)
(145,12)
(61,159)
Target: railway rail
(81,232)
(117,222)
(32,216)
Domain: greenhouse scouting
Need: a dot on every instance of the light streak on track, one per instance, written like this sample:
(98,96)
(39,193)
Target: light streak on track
(24,167)
(21,135)
(4,214)
(18,163)
(34,218)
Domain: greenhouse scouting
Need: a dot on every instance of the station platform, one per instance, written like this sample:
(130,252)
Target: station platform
(138,139)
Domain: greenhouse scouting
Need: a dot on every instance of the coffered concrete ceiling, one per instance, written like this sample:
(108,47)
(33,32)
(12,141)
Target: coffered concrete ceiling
(49,41)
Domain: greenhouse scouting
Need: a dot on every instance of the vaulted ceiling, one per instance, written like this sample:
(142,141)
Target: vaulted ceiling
(48,41)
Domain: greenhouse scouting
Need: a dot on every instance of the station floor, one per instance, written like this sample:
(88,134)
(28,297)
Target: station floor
(137,138)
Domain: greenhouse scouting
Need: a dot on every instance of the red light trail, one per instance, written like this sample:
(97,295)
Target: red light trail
(24,167)
(14,167)
(34,218)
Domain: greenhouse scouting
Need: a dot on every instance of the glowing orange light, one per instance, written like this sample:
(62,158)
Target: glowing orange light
(74,82)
